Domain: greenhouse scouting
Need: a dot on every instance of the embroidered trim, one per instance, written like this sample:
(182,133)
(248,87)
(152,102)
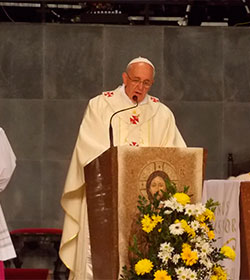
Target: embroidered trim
(154,99)
(134,144)
(134,119)
(109,93)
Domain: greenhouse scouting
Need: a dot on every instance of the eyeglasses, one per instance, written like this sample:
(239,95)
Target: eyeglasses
(146,84)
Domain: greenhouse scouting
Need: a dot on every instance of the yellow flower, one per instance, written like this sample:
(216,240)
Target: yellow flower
(157,219)
(220,273)
(214,277)
(182,198)
(187,228)
(209,214)
(228,252)
(200,218)
(161,275)
(189,257)
(143,266)
(183,224)
(211,235)
(204,226)
(186,245)
(147,224)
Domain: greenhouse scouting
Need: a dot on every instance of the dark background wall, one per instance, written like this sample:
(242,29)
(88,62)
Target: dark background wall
(48,73)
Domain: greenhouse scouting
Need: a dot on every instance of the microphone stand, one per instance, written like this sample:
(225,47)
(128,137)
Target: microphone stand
(135,98)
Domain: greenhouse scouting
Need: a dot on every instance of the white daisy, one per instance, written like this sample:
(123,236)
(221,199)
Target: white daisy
(165,252)
(164,256)
(199,241)
(189,209)
(176,258)
(199,209)
(179,271)
(184,274)
(206,249)
(176,229)
(171,203)
(192,275)
(179,207)
(166,246)
(206,262)
(195,225)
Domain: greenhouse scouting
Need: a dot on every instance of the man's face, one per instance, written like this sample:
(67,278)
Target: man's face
(138,80)
(157,185)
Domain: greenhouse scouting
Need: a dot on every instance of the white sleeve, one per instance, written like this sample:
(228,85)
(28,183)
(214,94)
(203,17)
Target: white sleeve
(7,160)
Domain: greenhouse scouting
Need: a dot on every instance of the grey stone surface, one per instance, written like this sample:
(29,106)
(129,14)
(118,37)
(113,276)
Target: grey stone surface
(237,64)
(214,170)
(22,120)
(53,178)
(237,131)
(123,43)
(21,61)
(73,57)
(193,64)
(21,200)
(62,120)
(200,124)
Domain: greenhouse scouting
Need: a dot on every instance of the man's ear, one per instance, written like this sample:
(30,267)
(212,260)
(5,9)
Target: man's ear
(125,78)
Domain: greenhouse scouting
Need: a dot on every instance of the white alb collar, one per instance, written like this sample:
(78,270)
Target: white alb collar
(144,101)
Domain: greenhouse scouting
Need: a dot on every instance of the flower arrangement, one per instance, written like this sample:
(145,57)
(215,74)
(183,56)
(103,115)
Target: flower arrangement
(178,240)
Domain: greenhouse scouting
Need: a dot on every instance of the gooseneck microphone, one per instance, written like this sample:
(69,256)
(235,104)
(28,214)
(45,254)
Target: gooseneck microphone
(135,98)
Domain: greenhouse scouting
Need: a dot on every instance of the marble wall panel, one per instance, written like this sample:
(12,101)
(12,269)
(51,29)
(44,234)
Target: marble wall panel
(62,119)
(200,124)
(236,131)
(22,121)
(123,43)
(21,61)
(237,64)
(53,178)
(193,64)
(73,58)
(214,170)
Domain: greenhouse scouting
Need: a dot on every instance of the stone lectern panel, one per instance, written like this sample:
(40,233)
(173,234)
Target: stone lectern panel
(183,166)
(115,180)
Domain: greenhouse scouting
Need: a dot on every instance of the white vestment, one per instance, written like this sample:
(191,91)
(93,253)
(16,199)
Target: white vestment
(241,177)
(7,166)
(150,124)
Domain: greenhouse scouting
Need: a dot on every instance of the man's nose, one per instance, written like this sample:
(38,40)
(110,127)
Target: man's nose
(141,85)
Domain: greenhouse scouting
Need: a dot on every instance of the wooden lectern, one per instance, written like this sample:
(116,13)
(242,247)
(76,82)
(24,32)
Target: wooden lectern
(245,230)
(115,180)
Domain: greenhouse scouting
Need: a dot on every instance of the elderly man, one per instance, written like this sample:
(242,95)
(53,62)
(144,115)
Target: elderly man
(151,123)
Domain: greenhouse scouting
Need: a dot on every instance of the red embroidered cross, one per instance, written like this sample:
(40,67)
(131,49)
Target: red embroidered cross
(154,99)
(109,93)
(134,119)
(134,144)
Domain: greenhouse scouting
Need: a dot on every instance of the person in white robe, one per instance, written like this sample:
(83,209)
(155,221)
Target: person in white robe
(241,177)
(151,123)
(7,167)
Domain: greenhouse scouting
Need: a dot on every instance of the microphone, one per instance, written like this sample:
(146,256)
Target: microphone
(135,98)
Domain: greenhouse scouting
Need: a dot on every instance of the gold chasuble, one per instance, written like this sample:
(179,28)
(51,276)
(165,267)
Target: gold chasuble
(151,124)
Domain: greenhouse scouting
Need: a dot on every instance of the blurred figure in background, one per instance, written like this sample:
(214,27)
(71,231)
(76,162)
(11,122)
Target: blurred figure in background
(7,167)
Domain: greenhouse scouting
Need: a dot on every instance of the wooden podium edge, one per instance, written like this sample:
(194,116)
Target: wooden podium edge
(101,177)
